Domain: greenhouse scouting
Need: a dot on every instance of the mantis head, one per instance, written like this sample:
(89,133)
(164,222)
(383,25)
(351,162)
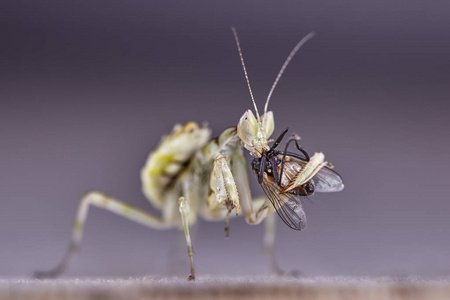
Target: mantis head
(254,133)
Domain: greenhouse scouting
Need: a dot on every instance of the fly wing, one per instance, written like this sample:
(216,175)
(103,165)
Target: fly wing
(287,205)
(327,180)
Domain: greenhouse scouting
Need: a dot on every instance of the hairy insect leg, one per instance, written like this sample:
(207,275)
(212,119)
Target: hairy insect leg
(184,210)
(103,201)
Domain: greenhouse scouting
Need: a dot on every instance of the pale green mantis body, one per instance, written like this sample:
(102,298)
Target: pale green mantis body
(191,175)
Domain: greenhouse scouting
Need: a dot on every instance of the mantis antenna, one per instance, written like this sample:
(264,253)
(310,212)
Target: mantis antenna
(288,59)
(245,70)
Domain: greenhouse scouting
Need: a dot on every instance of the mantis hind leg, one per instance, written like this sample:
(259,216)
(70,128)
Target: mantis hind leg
(269,242)
(269,249)
(103,201)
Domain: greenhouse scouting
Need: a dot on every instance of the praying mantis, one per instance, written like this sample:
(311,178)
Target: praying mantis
(191,175)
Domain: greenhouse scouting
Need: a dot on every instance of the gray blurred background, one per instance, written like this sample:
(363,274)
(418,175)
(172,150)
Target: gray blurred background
(87,88)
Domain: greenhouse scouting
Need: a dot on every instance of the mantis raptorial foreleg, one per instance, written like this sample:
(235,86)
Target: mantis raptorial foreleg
(254,210)
(225,193)
(103,201)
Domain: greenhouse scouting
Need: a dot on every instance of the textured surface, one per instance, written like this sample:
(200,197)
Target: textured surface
(227,288)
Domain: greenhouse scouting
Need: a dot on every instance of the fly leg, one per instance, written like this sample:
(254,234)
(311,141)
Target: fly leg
(116,206)
(184,211)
